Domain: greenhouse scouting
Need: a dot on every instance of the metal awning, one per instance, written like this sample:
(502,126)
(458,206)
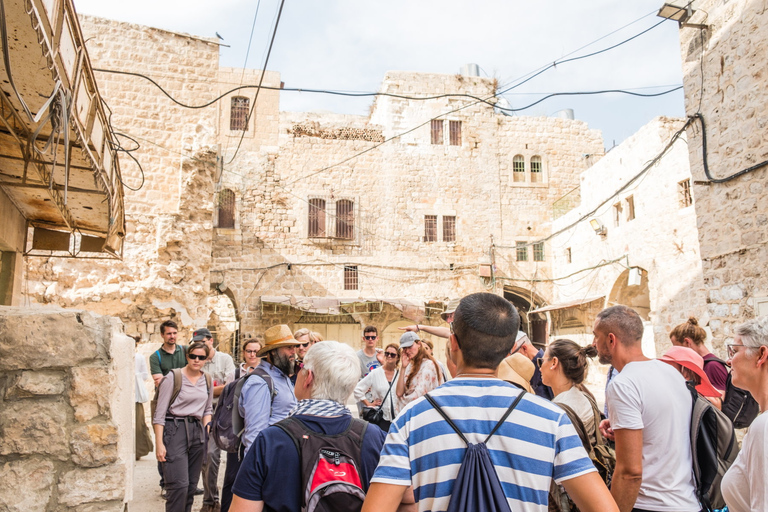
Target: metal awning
(568,305)
(58,163)
(334,305)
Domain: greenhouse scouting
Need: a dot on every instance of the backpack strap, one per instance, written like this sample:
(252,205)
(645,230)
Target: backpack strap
(238,423)
(578,425)
(176,386)
(456,429)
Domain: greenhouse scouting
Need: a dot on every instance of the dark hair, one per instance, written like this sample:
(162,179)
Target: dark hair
(370,328)
(168,323)
(397,349)
(485,326)
(691,330)
(249,341)
(572,358)
(623,322)
(199,344)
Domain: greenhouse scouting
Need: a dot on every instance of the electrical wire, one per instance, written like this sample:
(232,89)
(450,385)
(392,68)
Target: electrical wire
(700,118)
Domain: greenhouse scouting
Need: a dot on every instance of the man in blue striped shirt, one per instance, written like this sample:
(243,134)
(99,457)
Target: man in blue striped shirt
(535,445)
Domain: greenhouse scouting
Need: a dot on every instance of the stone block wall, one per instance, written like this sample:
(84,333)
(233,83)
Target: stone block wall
(67,393)
(732,217)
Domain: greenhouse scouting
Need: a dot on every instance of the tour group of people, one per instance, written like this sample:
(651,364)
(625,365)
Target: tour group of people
(528,405)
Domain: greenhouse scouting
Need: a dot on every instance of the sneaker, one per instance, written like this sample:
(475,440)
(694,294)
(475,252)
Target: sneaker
(207,507)
(199,492)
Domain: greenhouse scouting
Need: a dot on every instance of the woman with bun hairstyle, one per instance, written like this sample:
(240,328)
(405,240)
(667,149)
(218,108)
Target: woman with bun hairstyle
(690,334)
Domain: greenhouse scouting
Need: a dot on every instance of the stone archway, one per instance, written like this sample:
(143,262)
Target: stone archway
(224,323)
(535,325)
(628,292)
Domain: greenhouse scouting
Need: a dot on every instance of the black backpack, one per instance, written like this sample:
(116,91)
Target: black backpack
(227,425)
(330,466)
(713,449)
(738,403)
(477,486)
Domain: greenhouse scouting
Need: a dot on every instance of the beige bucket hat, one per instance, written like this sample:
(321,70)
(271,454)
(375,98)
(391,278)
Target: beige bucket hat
(277,336)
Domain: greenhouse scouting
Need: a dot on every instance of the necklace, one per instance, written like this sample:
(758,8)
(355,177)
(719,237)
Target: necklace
(485,375)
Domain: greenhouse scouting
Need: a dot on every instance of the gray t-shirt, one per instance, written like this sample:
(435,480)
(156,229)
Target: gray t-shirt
(367,363)
(220,368)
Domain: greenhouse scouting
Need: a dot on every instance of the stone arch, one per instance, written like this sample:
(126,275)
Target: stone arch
(535,325)
(635,296)
(224,321)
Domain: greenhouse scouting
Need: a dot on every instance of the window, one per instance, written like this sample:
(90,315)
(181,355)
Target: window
(684,193)
(568,255)
(522,251)
(536,169)
(449,228)
(455,132)
(617,214)
(437,131)
(226,209)
(518,169)
(538,251)
(350,277)
(316,221)
(630,208)
(238,115)
(345,219)
(430,228)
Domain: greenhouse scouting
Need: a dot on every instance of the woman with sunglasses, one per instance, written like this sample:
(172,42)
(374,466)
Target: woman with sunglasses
(744,485)
(380,384)
(420,374)
(179,431)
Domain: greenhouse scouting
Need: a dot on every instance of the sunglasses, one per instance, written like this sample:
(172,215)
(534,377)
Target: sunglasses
(371,337)
(539,361)
(199,357)
(304,345)
(251,352)
(390,354)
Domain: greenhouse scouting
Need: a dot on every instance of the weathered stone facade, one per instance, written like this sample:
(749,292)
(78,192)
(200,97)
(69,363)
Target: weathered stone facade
(731,96)
(66,432)
(649,227)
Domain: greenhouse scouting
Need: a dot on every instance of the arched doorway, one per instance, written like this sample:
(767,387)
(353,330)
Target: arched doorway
(631,289)
(534,325)
(224,324)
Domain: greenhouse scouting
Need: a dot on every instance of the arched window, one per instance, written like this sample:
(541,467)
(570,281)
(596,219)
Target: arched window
(238,115)
(226,209)
(316,221)
(518,169)
(536,176)
(345,219)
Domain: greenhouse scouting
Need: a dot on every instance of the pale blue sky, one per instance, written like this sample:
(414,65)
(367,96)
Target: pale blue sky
(350,44)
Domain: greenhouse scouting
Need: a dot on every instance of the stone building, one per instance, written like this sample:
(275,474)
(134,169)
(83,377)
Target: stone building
(631,241)
(725,41)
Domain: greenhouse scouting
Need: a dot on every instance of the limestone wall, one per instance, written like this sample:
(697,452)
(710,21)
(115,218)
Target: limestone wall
(661,239)
(66,431)
(165,268)
(732,217)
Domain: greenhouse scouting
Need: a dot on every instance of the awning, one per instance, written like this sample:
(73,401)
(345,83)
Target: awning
(333,305)
(568,305)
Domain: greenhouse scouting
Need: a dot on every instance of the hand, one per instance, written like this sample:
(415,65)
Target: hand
(606,430)
(410,328)
(405,359)
(377,402)
(160,451)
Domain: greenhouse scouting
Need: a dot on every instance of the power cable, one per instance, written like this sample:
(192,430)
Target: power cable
(700,118)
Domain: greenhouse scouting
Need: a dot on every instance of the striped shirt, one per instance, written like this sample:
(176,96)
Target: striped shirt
(536,444)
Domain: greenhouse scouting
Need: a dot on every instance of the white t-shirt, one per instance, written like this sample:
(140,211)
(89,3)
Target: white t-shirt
(652,396)
(744,486)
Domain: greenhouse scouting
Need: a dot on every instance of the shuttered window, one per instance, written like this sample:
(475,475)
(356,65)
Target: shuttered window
(226,209)
(316,221)
(238,116)
(345,219)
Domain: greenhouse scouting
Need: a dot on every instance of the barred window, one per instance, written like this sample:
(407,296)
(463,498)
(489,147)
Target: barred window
(630,208)
(538,251)
(536,169)
(430,228)
(522,251)
(684,193)
(345,219)
(437,131)
(226,209)
(316,221)
(238,115)
(454,128)
(350,277)
(449,228)
(518,169)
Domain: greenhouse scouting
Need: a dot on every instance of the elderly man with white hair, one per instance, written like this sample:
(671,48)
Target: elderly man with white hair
(271,474)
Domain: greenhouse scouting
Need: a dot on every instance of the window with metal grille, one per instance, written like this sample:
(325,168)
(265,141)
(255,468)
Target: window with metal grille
(518,168)
(316,221)
(345,219)
(238,114)
(430,228)
(449,228)
(437,131)
(617,209)
(350,277)
(454,128)
(522,251)
(538,251)
(226,209)
(630,208)
(684,193)
(536,169)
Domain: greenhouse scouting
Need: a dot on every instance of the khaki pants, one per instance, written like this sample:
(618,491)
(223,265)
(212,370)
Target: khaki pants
(143,439)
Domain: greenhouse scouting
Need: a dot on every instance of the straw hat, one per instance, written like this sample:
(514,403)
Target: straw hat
(517,369)
(277,336)
(688,358)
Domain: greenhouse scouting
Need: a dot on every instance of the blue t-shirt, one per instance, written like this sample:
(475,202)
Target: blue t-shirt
(271,471)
